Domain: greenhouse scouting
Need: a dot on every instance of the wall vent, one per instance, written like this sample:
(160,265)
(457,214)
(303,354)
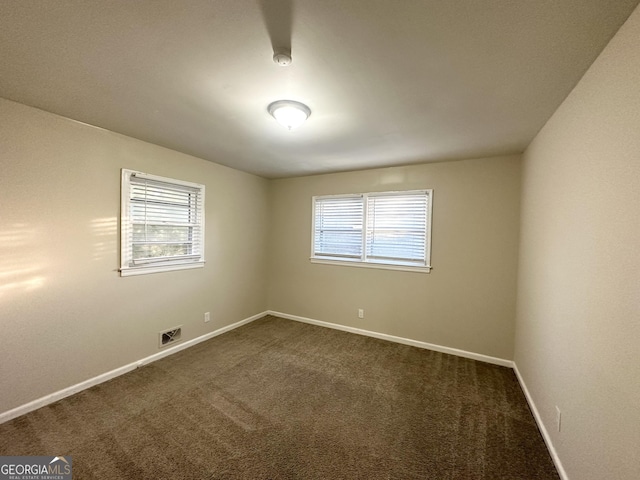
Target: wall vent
(167,337)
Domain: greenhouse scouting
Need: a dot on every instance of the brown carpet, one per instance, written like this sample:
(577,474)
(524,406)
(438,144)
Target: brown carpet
(277,399)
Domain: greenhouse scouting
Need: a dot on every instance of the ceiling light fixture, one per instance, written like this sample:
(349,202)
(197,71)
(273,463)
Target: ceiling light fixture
(289,113)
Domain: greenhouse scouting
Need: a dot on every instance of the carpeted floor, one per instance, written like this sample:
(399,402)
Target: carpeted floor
(278,399)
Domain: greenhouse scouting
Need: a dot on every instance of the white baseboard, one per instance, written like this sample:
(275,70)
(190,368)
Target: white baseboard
(406,341)
(66,392)
(541,427)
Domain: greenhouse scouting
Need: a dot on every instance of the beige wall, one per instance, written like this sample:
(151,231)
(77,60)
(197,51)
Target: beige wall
(65,313)
(468,299)
(578,322)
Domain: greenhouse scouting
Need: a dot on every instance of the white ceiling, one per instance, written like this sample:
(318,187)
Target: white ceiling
(390,82)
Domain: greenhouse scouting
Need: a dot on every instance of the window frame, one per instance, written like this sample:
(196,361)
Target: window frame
(127,266)
(363,261)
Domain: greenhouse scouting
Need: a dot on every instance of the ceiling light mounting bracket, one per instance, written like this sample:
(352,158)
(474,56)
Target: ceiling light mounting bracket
(282,56)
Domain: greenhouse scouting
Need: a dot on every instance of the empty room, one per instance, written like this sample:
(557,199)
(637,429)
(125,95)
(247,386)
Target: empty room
(298,239)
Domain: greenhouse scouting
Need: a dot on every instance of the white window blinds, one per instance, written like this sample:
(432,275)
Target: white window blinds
(385,228)
(338,226)
(397,227)
(162,224)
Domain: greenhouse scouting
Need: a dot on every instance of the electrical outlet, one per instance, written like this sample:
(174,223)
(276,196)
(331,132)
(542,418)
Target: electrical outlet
(207,317)
(558,418)
(360,313)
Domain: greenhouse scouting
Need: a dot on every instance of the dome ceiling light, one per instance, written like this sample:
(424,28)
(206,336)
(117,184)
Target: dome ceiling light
(289,113)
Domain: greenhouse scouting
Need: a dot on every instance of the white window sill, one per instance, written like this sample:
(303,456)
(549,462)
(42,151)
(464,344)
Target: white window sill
(381,266)
(144,270)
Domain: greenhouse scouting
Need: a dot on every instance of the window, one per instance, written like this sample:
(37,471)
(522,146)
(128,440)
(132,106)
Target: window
(382,230)
(162,226)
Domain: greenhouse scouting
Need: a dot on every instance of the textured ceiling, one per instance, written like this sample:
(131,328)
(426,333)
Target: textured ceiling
(389,82)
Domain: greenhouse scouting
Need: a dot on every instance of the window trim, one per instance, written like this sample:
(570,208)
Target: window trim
(389,265)
(127,266)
